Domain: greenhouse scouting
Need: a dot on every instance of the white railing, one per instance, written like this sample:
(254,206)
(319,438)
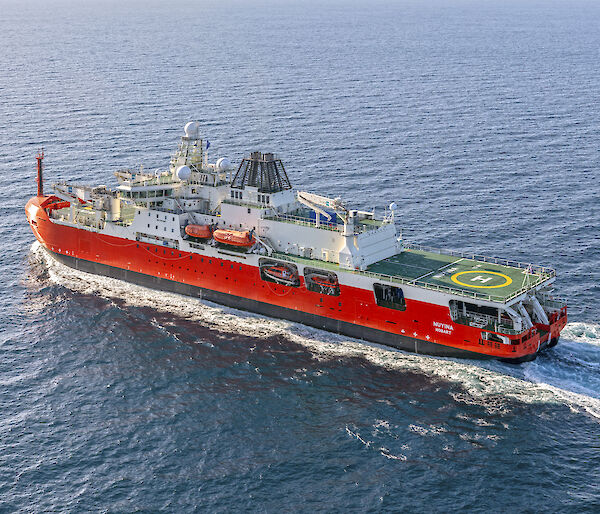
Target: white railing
(532,268)
(483,321)
(233,201)
(426,285)
(553,303)
(141,179)
(308,222)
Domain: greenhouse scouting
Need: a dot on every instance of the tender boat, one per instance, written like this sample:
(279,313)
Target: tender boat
(280,274)
(234,237)
(199,231)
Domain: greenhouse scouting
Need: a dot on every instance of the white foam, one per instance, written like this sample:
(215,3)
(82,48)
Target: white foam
(485,383)
(582,333)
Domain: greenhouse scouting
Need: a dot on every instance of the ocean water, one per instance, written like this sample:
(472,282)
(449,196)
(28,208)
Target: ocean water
(480,119)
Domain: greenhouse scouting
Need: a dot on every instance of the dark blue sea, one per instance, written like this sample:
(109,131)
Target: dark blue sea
(480,119)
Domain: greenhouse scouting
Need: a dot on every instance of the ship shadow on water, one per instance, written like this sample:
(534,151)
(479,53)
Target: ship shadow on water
(207,343)
(212,335)
(179,384)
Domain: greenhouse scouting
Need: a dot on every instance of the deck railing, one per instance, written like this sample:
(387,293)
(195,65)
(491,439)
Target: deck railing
(486,322)
(246,203)
(307,222)
(554,303)
(143,180)
(359,227)
(533,269)
(419,283)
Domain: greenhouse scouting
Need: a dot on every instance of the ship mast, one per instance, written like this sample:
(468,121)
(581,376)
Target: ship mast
(40,179)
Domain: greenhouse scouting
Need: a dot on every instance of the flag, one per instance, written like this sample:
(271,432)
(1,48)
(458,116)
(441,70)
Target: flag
(207,144)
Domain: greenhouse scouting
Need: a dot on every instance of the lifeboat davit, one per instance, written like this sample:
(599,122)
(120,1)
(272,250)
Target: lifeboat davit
(280,274)
(234,237)
(199,231)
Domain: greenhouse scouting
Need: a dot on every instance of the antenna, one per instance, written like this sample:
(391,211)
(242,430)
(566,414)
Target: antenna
(40,179)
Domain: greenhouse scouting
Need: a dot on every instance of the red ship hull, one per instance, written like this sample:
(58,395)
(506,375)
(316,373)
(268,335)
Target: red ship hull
(422,328)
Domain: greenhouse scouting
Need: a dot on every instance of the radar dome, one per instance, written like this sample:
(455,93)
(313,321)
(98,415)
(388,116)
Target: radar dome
(393,206)
(223,164)
(191,129)
(183,173)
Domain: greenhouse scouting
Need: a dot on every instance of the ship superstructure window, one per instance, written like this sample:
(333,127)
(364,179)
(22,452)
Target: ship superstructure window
(236,194)
(321,281)
(389,296)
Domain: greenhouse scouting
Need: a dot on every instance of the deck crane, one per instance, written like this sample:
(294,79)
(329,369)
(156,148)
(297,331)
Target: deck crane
(317,203)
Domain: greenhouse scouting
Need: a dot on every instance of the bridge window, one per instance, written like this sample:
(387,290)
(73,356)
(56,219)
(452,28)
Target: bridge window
(389,296)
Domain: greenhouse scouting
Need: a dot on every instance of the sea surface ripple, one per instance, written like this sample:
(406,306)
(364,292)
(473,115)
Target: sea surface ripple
(480,119)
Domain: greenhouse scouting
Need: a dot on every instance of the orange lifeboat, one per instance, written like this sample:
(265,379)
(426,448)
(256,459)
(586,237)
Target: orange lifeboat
(234,237)
(280,274)
(199,231)
(324,281)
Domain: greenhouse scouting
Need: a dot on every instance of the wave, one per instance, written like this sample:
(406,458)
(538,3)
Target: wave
(582,332)
(567,374)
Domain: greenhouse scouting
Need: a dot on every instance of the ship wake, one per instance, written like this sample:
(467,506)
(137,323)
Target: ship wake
(568,374)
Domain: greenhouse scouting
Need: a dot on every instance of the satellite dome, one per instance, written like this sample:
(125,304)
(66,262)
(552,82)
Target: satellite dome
(393,206)
(183,173)
(223,164)
(191,129)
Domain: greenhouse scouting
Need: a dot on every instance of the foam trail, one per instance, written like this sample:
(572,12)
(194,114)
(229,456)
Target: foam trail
(564,377)
(582,333)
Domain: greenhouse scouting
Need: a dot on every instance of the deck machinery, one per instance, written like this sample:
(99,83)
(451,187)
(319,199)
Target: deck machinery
(267,248)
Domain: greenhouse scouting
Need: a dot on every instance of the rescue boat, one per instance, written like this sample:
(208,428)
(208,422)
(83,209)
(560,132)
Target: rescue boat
(323,281)
(199,231)
(234,237)
(281,274)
